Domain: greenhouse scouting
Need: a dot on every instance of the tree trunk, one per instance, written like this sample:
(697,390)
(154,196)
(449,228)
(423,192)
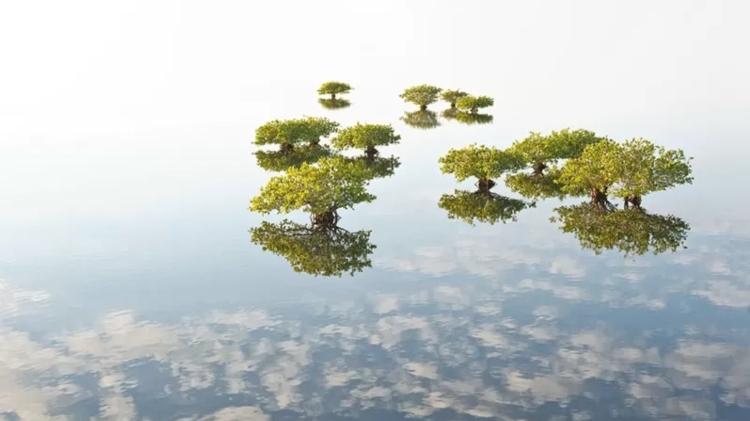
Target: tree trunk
(333,97)
(371,152)
(325,219)
(423,107)
(287,147)
(539,168)
(453,105)
(599,198)
(484,185)
(635,201)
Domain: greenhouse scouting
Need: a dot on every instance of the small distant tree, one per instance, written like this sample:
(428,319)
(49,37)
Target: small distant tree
(288,133)
(365,136)
(472,104)
(451,96)
(318,251)
(542,151)
(476,206)
(422,119)
(333,89)
(320,189)
(422,95)
(644,168)
(484,163)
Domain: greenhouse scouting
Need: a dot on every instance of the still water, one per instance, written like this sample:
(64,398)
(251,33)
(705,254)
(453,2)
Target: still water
(130,287)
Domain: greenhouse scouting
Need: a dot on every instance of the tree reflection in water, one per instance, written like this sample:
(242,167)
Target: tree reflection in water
(283,160)
(422,119)
(536,186)
(631,231)
(466,117)
(479,206)
(334,104)
(316,250)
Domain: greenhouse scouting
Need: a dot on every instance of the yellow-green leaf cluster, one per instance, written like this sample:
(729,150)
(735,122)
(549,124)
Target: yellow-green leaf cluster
(334,88)
(294,131)
(482,162)
(365,136)
(472,104)
(422,95)
(330,184)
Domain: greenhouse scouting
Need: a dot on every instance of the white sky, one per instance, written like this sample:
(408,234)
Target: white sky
(118,103)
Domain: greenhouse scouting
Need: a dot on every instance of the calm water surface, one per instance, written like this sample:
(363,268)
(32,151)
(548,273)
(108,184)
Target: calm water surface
(130,287)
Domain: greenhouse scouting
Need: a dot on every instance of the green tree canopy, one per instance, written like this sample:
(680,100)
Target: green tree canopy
(645,168)
(422,95)
(541,151)
(534,186)
(593,172)
(630,231)
(422,119)
(484,163)
(283,160)
(365,136)
(628,170)
(482,207)
(319,251)
(319,189)
(333,89)
(472,104)
(451,96)
(334,103)
(289,133)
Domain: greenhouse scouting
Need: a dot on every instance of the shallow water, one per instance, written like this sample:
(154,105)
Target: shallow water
(130,288)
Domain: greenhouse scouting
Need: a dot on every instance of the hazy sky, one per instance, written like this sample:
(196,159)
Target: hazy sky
(105,102)
(90,66)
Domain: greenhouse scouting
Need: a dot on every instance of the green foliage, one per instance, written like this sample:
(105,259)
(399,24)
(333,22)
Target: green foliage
(333,183)
(540,151)
(288,133)
(473,118)
(536,186)
(333,103)
(422,95)
(482,162)
(422,119)
(451,96)
(631,231)
(334,88)
(319,251)
(365,136)
(283,160)
(629,170)
(466,118)
(481,207)
(472,104)
(594,171)
(376,167)
(645,167)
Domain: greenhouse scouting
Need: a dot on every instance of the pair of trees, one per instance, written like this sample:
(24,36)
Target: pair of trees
(627,170)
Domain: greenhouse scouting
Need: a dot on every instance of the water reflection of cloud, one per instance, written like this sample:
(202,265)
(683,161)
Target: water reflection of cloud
(499,348)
